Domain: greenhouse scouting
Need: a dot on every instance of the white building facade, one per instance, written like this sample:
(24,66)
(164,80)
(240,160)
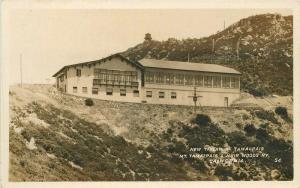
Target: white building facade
(152,81)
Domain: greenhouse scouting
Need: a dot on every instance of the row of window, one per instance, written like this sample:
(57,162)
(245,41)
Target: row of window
(161,94)
(106,71)
(190,80)
(166,78)
(111,73)
(109,91)
(114,72)
(114,75)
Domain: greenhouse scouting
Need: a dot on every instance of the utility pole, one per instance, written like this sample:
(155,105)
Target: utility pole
(213,45)
(238,48)
(224,24)
(188,56)
(21,71)
(195,99)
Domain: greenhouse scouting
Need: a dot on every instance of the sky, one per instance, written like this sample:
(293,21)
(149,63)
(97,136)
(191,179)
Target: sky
(49,39)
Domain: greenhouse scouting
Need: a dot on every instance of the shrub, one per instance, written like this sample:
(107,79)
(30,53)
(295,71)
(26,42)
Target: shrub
(264,125)
(245,117)
(199,136)
(281,149)
(257,92)
(150,149)
(223,172)
(169,131)
(237,139)
(266,115)
(262,135)
(89,102)
(239,125)
(199,165)
(282,111)
(202,119)
(177,147)
(250,130)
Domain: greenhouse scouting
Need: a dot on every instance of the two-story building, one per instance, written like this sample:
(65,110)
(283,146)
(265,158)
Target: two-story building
(153,81)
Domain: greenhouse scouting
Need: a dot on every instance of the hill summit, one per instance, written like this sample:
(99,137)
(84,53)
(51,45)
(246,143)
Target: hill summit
(260,47)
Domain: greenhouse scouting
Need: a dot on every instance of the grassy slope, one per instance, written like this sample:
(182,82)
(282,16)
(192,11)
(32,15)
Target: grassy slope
(104,144)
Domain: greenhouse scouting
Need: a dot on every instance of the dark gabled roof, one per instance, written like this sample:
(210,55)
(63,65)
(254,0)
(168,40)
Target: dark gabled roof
(178,65)
(162,64)
(137,64)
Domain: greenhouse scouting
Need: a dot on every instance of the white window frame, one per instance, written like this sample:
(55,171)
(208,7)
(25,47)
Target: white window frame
(75,89)
(136,93)
(123,92)
(84,90)
(149,94)
(161,94)
(109,91)
(95,89)
(173,95)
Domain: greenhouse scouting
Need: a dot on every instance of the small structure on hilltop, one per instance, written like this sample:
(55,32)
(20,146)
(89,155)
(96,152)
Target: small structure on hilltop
(148,37)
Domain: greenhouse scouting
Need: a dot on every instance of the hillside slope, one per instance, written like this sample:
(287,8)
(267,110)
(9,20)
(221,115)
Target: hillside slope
(260,47)
(55,137)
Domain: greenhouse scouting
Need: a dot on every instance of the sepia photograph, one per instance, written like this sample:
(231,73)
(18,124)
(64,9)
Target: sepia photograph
(197,94)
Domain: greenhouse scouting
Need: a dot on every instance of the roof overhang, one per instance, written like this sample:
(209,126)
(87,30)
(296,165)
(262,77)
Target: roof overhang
(186,66)
(134,63)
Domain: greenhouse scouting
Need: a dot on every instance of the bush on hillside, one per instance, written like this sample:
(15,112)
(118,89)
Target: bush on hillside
(237,139)
(202,119)
(250,130)
(89,102)
(223,172)
(266,115)
(257,92)
(200,136)
(282,111)
(262,135)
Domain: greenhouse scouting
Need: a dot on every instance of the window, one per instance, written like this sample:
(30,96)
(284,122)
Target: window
(170,79)
(122,79)
(161,94)
(133,76)
(217,81)
(149,94)
(226,82)
(173,95)
(84,89)
(115,76)
(102,77)
(235,82)
(74,89)
(149,77)
(109,91)
(179,79)
(78,72)
(61,78)
(95,91)
(199,80)
(122,92)
(109,78)
(189,80)
(136,93)
(160,78)
(207,81)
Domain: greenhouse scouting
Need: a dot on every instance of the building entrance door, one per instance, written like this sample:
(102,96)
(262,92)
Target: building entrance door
(226,101)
